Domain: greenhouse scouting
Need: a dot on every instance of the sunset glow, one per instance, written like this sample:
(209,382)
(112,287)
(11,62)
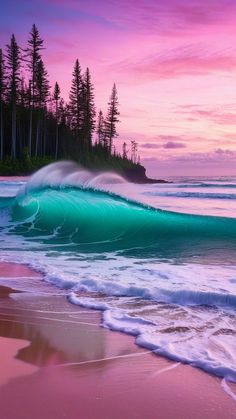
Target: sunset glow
(174,64)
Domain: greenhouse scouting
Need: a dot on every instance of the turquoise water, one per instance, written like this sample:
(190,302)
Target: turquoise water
(158,260)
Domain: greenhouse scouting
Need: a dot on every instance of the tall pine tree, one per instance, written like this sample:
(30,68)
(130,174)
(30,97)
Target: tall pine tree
(101,129)
(112,118)
(41,97)
(13,67)
(2,98)
(33,56)
(88,111)
(56,97)
(75,103)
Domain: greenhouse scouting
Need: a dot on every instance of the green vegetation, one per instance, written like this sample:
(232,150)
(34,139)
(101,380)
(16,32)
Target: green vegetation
(94,161)
(38,127)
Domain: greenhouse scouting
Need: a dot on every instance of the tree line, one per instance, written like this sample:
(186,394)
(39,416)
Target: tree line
(36,122)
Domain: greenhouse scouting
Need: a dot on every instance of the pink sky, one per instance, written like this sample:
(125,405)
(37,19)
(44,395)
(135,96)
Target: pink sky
(174,64)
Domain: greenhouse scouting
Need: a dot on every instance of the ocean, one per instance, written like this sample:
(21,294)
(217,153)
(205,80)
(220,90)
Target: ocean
(158,260)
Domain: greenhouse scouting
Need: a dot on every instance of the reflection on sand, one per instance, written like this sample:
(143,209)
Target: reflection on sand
(55,337)
(10,366)
(58,332)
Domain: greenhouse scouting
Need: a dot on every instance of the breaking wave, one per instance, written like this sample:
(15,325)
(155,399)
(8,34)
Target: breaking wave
(68,205)
(167,278)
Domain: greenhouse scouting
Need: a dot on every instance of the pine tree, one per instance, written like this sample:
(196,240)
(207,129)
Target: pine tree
(134,150)
(13,67)
(88,110)
(33,56)
(42,85)
(75,103)
(22,93)
(62,112)
(112,118)
(22,115)
(100,131)
(41,97)
(125,151)
(2,97)
(56,97)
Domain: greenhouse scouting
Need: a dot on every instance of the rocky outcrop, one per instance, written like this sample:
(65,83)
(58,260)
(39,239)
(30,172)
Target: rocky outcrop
(137,174)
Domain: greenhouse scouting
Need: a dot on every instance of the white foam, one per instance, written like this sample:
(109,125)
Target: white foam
(227,389)
(68,173)
(163,289)
(86,302)
(212,353)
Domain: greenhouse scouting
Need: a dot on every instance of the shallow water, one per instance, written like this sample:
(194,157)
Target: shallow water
(158,260)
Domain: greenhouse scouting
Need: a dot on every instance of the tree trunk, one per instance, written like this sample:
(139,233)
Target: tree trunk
(30,131)
(56,153)
(44,136)
(41,141)
(1,131)
(37,137)
(20,136)
(13,132)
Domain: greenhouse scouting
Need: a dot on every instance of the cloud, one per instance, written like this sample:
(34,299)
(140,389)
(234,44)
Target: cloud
(215,162)
(150,146)
(218,117)
(230,138)
(171,16)
(186,60)
(222,115)
(169,142)
(168,145)
(216,156)
(226,152)
(173,144)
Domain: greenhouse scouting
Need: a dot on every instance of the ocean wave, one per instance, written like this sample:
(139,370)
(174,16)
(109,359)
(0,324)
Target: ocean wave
(186,194)
(89,215)
(213,353)
(205,185)
(183,297)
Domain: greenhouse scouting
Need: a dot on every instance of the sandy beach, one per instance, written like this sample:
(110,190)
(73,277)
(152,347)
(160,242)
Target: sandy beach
(57,362)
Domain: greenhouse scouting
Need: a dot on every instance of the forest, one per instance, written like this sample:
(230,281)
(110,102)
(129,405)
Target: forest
(37,126)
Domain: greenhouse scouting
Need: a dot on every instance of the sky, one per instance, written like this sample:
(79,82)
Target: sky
(174,64)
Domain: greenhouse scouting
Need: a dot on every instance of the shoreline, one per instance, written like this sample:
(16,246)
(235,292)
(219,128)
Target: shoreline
(143,180)
(80,365)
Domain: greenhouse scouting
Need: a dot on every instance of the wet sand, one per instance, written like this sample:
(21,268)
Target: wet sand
(14,270)
(10,366)
(59,363)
